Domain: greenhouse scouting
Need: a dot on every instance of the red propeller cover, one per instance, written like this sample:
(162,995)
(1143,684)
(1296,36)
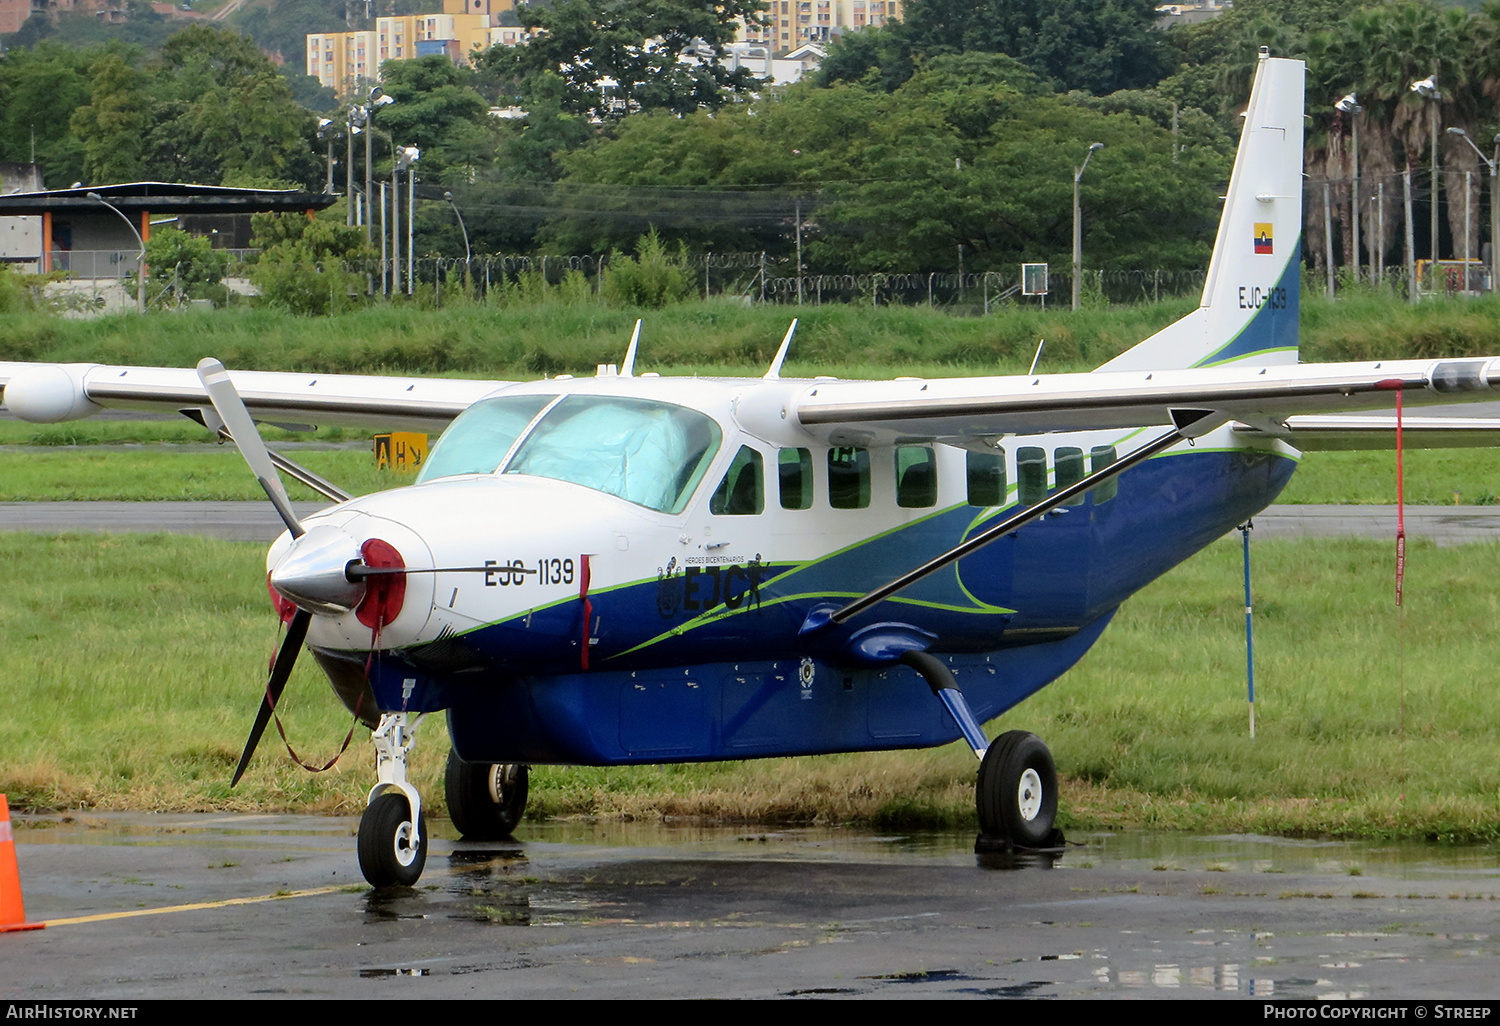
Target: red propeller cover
(385,594)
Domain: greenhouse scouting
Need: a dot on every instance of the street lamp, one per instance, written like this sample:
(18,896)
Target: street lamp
(1494,209)
(326,132)
(405,157)
(140,271)
(378,99)
(1350,105)
(357,117)
(468,254)
(1078,223)
(1428,90)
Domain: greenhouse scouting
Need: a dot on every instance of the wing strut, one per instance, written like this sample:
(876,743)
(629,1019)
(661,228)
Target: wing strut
(1189,424)
(296,471)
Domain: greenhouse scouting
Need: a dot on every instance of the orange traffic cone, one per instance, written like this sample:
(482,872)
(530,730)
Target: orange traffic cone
(12,909)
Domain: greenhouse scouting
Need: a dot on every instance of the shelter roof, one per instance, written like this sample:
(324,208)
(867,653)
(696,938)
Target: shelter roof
(166,197)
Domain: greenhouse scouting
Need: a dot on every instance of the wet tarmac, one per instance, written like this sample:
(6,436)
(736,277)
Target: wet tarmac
(167,906)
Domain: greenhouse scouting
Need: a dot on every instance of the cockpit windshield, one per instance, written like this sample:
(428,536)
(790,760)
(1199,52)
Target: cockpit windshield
(478,440)
(646,452)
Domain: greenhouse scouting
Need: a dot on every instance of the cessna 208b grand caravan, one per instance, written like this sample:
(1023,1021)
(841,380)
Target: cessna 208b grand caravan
(639,569)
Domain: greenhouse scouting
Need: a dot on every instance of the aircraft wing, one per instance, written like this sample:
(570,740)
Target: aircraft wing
(960,410)
(47,393)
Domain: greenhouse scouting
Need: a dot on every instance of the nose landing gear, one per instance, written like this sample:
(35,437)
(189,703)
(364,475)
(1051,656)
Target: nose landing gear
(392,831)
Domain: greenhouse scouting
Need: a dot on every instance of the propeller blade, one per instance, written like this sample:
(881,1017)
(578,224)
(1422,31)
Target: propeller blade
(296,633)
(231,410)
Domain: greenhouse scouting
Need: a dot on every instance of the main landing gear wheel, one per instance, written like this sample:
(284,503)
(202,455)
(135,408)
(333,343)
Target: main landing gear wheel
(387,856)
(485,800)
(1016,793)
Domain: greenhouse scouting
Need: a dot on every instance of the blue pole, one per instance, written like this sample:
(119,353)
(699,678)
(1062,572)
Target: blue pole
(1249,629)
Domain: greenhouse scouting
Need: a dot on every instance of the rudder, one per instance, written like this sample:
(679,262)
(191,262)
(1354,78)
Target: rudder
(1248,313)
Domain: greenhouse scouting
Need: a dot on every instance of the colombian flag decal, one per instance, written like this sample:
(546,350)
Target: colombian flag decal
(1262,237)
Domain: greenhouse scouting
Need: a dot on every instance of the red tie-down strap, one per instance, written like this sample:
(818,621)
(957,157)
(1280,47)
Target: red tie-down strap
(588,607)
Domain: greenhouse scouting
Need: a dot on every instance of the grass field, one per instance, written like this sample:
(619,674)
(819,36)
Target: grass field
(721,336)
(134,666)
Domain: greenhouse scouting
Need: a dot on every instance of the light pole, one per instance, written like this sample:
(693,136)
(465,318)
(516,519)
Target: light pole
(326,132)
(468,254)
(412,153)
(405,157)
(1494,207)
(140,271)
(378,99)
(357,117)
(1350,105)
(1428,90)
(1078,223)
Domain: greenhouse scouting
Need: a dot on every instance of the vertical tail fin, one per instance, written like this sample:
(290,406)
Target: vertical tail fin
(1251,296)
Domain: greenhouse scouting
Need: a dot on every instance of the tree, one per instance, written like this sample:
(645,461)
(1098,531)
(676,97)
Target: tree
(113,125)
(187,264)
(437,111)
(234,114)
(308,266)
(1097,46)
(635,47)
(39,90)
(970,152)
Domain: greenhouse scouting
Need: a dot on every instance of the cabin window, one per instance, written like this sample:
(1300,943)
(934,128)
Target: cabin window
(479,438)
(1101,456)
(916,477)
(650,453)
(986,478)
(1069,462)
(1031,474)
(794,471)
(848,478)
(742,492)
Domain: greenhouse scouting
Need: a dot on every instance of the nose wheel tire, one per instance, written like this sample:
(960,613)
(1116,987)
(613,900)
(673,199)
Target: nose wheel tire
(387,856)
(1016,794)
(485,800)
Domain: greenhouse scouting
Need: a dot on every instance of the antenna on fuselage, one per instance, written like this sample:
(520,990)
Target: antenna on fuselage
(774,373)
(1038,356)
(627,369)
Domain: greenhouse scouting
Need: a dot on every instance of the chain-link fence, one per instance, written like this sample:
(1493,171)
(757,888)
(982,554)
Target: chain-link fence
(751,277)
(760,278)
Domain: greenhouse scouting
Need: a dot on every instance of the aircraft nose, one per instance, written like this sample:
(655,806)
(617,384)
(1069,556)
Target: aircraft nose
(314,573)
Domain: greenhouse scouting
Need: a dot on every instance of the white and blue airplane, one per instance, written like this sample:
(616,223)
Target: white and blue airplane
(632,569)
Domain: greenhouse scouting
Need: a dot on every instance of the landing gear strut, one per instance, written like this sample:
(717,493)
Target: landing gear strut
(1016,791)
(393,832)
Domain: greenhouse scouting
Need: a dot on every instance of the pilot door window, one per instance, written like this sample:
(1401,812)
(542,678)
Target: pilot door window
(742,492)
(848,478)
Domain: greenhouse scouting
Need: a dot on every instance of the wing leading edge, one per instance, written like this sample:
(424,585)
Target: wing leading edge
(48,393)
(959,410)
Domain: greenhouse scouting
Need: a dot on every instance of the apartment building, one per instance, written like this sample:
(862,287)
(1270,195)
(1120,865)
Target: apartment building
(794,23)
(348,61)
